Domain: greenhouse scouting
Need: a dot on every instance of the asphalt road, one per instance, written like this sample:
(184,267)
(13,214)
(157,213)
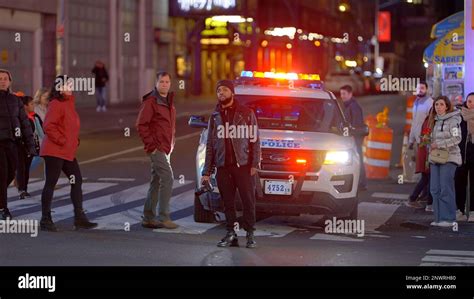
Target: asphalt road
(117,173)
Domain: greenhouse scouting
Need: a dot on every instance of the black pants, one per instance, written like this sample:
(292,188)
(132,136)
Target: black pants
(8,161)
(460,181)
(23,169)
(54,166)
(362,174)
(230,178)
(423,186)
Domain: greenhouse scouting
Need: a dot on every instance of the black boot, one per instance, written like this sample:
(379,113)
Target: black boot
(23,194)
(230,239)
(81,221)
(47,224)
(4,214)
(250,240)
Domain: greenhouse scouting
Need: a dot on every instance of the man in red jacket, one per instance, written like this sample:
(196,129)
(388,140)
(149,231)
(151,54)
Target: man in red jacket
(156,127)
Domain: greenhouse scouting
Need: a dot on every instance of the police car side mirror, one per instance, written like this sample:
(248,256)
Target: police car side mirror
(196,121)
(360,132)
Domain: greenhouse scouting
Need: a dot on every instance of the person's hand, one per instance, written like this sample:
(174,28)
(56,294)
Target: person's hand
(434,146)
(253,171)
(205,179)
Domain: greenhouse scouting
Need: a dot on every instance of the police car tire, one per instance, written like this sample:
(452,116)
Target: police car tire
(202,215)
(355,211)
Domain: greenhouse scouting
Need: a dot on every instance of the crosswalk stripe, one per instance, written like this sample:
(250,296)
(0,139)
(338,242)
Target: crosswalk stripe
(448,259)
(33,187)
(438,264)
(36,200)
(331,237)
(99,203)
(390,195)
(375,214)
(272,227)
(451,252)
(117,179)
(189,227)
(133,216)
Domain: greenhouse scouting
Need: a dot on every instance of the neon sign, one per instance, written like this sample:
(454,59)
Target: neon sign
(187,5)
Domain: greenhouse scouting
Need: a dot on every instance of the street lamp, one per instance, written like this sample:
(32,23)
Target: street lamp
(344,7)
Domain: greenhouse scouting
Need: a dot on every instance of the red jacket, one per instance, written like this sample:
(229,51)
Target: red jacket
(61,129)
(422,153)
(156,123)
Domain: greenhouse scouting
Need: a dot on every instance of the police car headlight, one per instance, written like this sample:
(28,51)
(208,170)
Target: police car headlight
(338,157)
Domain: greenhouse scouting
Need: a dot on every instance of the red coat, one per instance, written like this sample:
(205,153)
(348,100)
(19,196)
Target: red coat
(422,153)
(61,129)
(156,123)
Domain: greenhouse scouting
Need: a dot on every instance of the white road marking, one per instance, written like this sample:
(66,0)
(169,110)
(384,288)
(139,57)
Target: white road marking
(134,149)
(33,187)
(451,252)
(390,195)
(375,214)
(330,237)
(438,265)
(448,259)
(118,220)
(31,202)
(116,179)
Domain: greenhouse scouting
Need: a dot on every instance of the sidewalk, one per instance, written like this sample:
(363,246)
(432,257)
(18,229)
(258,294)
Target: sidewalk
(123,116)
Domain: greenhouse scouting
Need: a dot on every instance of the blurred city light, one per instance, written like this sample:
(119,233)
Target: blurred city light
(350,63)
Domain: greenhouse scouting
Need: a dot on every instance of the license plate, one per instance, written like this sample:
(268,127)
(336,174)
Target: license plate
(278,187)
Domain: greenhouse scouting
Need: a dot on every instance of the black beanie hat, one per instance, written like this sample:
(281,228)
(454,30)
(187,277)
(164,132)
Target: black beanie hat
(227,83)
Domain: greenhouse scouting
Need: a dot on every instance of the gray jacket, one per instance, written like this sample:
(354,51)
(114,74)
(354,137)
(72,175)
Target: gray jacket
(447,135)
(246,151)
(421,109)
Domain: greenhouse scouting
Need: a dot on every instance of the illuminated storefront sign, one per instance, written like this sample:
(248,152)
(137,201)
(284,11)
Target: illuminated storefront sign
(208,5)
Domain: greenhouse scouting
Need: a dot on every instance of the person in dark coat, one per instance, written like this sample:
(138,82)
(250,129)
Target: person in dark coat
(14,125)
(24,158)
(354,115)
(467,152)
(101,78)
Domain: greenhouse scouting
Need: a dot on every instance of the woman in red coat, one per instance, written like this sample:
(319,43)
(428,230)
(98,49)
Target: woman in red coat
(59,147)
(422,189)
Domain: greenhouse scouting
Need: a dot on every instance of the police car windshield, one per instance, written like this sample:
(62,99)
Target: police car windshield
(299,114)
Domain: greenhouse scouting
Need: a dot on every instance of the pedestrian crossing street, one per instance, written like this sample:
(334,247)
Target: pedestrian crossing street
(438,257)
(116,204)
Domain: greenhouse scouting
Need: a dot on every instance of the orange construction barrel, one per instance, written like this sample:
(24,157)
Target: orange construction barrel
(409,114)
(378,153)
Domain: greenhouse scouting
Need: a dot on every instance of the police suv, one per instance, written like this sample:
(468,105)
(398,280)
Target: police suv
(309,164)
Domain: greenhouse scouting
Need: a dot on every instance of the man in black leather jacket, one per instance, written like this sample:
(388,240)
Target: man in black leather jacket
(14,125)
(233,147)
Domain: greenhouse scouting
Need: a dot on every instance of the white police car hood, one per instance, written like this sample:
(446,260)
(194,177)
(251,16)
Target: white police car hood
(284,139)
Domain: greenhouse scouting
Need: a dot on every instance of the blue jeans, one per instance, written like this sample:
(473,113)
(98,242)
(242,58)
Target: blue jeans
(100,96)
(442,190)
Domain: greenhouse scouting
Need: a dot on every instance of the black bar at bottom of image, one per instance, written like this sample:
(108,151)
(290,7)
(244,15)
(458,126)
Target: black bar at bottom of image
(134,282)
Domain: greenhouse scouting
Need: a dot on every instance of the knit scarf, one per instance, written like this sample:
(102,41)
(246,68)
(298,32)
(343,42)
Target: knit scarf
(468,115)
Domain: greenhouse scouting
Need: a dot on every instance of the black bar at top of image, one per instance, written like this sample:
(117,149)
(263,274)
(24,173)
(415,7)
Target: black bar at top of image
(289,282)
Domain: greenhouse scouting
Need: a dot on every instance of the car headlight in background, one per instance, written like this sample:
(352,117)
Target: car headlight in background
(338,157)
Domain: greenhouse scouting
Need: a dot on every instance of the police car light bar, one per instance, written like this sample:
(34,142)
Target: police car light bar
(271,78)
(282,76)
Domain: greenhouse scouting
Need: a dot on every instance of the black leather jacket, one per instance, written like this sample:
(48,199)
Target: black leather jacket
(14,124)
(246,151)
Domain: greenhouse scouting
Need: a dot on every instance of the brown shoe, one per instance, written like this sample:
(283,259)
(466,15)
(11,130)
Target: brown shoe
(170,224)
(153,224)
